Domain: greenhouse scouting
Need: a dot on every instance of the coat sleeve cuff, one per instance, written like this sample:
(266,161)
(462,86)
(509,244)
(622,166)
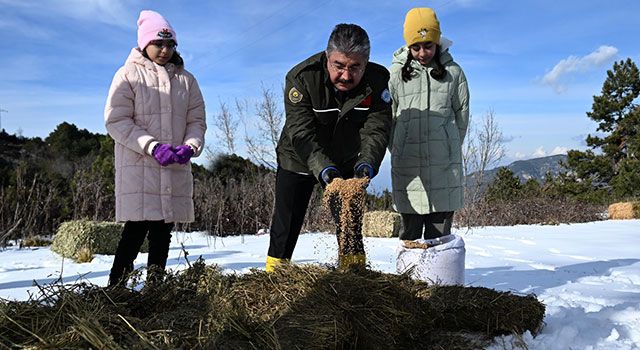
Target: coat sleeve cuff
(150,147)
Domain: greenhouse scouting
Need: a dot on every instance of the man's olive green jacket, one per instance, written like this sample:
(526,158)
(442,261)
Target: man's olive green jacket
(325,127)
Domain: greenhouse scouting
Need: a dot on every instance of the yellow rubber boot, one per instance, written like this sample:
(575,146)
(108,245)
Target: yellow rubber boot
(346,260)
(273,263)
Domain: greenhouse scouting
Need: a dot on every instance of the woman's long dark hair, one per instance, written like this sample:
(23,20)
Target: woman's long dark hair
(437,73)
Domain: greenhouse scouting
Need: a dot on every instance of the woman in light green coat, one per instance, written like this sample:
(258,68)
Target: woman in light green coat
(430,118)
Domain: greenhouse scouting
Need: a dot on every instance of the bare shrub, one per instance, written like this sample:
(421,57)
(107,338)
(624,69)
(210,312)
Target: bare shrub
(245,206)
(35,241)
(234,206)
(226,125)
(29,208)
(483,149)
(544,210)
(270,119)
(92,196)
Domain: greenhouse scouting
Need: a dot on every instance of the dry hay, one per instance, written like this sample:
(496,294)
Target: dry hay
(307,307)
(100,237)
(624,211)
(409,244)
(346,201)
(381,224)
(35,241)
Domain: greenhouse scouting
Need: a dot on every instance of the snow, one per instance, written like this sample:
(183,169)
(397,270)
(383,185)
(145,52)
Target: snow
(588,275)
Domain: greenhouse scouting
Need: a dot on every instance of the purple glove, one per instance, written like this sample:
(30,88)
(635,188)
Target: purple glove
(164,154)
(184,153)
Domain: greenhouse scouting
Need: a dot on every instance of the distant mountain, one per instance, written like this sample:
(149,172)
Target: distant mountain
(535,168)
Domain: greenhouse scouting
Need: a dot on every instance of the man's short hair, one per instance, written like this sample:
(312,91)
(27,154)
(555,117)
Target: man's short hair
(349,39)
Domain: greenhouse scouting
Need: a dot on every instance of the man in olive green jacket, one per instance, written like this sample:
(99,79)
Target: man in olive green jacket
(338,119)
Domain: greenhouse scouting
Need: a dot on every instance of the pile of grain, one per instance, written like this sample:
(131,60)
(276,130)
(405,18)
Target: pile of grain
(346,201)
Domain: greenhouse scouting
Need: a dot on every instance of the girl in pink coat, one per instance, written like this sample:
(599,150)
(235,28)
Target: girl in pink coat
(155,114)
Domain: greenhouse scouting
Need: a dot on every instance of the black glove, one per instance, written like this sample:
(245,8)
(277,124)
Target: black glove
(364,170)
(328,174)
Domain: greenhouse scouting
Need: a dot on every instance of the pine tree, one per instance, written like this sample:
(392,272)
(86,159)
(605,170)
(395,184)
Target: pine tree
(505,186)
(617,160)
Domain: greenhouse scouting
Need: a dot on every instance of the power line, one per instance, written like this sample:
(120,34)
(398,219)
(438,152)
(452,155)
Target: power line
(2,110)
(267,18)
(244,47)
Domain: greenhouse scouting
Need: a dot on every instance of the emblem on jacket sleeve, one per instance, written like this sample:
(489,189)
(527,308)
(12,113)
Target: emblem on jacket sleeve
(294,95)
(386,96)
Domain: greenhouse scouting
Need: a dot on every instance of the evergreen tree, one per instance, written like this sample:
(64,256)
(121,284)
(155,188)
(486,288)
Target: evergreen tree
(505,186)
(617,113)
(232,166)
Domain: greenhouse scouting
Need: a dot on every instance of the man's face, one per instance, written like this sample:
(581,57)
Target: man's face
(345,70)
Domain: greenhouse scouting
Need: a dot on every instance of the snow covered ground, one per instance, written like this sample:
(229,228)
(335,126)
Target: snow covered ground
(588,275)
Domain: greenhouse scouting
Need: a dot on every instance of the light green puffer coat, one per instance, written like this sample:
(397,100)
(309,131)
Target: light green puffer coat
(430,120)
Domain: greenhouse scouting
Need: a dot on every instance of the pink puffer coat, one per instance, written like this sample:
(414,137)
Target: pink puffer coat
(147,104)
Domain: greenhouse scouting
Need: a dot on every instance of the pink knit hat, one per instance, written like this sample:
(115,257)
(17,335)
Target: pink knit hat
(152,26)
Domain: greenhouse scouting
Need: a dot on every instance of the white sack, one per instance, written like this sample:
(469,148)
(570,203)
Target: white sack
(442,263)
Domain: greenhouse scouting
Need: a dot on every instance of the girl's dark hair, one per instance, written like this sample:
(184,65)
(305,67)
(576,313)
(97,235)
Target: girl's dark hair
(438,73)
(175,59)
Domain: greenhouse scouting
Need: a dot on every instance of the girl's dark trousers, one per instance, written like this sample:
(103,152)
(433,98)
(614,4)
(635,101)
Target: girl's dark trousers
(133,234)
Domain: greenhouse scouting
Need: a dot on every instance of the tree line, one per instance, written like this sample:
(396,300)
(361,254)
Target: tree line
(69,175)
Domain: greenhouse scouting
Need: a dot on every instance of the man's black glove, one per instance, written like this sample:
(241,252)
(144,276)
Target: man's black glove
(364,170)
(328,174)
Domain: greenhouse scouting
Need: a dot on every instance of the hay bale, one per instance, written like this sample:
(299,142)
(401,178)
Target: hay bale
(381,224)
(295,307)
(624,210)
(98,237)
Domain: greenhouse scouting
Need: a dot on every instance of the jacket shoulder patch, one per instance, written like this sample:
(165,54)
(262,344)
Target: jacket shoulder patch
(386,96)
(294,95)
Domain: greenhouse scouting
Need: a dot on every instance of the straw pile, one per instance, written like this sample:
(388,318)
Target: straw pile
(306,307)
(381,223)
(346,201)
(624,211)
(98,237)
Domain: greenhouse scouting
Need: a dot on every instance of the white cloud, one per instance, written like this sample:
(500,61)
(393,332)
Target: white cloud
(105,11)
(519,155)
(559,150)
(112,12)
(539,152)
(572,64)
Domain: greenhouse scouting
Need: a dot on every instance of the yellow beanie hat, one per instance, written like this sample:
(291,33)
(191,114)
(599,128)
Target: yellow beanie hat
(421,25)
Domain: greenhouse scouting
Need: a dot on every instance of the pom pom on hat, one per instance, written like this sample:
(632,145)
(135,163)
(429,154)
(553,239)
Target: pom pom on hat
(152,26)
(421,25)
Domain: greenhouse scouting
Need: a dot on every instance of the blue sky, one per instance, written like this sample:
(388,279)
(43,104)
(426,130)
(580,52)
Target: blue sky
(535,63)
